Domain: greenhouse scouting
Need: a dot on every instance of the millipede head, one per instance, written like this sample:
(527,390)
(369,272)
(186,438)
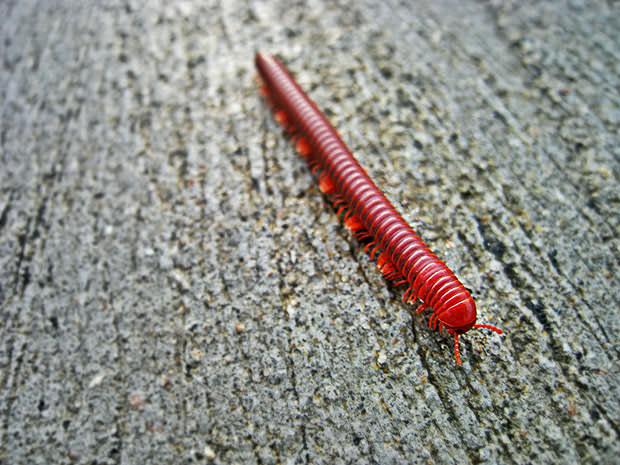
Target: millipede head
(457,350)
(459,317)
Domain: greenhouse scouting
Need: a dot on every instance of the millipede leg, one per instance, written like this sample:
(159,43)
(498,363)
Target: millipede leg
(281,117)
(342,209)
(432,321)
(326,185)
(368,246)
(457,350)
(409,294)
(421,308)
(361,235)
(338,200)
(303,147)
(314,166)
(374,251)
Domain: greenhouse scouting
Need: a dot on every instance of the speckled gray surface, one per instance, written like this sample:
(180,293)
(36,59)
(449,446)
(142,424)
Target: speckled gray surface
(174,288)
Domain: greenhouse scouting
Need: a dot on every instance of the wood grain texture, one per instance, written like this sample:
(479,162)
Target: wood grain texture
(174,289)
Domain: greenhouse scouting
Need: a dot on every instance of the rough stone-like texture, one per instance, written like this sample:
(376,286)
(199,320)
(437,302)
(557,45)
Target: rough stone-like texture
(174,288)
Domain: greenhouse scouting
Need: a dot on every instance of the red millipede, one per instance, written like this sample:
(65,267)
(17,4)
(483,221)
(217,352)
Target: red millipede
(402,256)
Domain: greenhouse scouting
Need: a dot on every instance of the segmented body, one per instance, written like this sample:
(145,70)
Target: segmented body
(401,254)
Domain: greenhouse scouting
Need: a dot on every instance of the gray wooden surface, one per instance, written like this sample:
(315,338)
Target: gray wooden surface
(174,288)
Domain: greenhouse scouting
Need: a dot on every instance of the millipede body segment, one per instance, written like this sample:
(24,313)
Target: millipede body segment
(401,255)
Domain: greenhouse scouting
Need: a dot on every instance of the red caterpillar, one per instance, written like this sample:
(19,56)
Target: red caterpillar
(401,255)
